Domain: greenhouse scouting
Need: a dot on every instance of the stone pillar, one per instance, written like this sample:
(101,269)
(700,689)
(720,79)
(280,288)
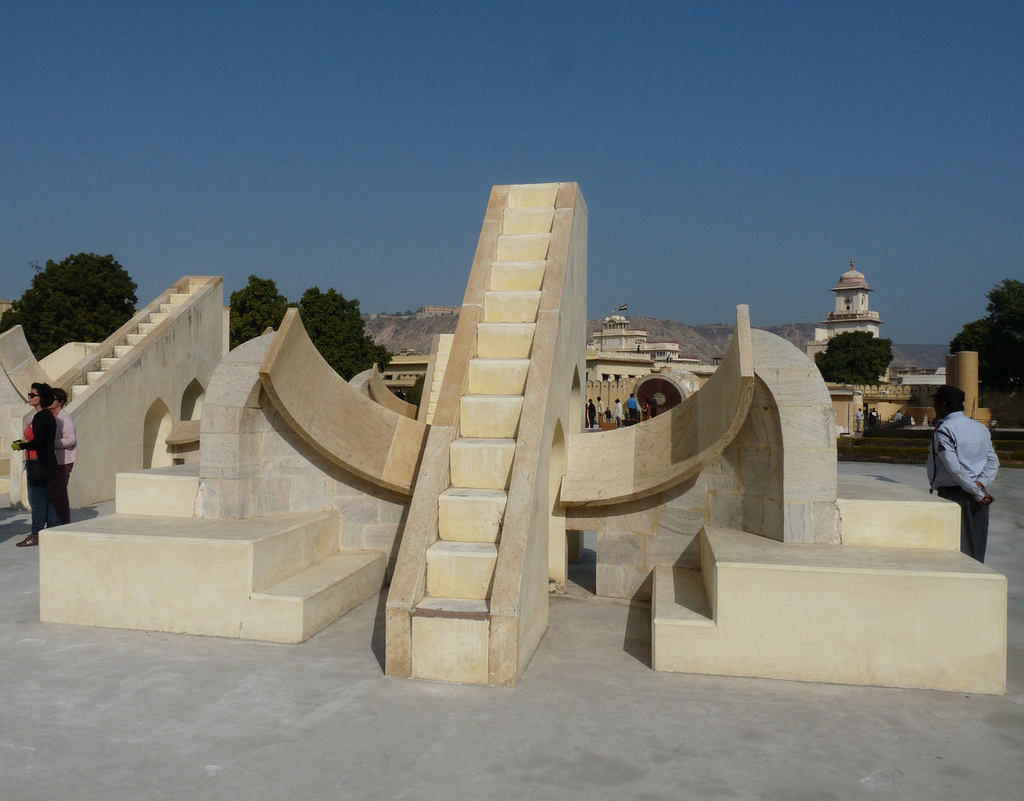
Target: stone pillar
(965,376)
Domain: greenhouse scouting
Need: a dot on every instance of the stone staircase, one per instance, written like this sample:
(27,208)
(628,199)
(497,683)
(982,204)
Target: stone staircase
(131,337)
(279,578)
(852,614)
(444,349)
(450,625)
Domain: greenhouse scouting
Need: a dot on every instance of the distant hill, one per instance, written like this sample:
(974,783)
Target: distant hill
(408,332)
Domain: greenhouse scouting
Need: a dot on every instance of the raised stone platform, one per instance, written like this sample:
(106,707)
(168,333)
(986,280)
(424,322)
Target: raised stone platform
(279,578)
(903,617)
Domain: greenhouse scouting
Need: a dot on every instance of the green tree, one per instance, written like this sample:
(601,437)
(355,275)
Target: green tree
(255,308)
(999,336)
(337,329)
(84,298)
(855,357)
(414,394)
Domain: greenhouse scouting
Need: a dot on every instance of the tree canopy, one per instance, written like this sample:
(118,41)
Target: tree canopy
(339,333)
(255,308)
(998,337)
(84,298)
(854,357)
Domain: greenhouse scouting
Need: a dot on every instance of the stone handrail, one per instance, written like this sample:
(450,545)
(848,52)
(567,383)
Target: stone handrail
(345,426)
(386,398)
(640,460)
(18,362)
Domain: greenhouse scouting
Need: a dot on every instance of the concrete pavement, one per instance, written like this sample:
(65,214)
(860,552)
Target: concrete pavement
(104,714)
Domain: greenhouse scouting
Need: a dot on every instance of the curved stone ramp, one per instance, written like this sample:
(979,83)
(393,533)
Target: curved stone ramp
(641,460)
(386,398)
(345,426)
(18,362)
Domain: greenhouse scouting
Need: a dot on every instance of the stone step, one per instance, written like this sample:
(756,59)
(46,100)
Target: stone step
(134,339)
(107,362)
(450,640)
(93,376)
(471,515)
(490,416)
(167,308)
(856,614)
(120,351)
(299,606)
(517,276)
(498,376)
(504,340)
(158,317)
(461,569)
(178,298)
(511,307)
(481,463)
(77,390)
(146,328)
(161,491)
(129,571)
(527,220)
(532,195)
(522,247)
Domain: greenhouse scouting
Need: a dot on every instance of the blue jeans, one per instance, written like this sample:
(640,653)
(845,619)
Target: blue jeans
(39,500)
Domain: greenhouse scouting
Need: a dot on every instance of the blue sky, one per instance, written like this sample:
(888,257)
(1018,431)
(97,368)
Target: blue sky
(728,152)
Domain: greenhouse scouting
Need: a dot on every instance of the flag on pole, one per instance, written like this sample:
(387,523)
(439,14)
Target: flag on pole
(624,307)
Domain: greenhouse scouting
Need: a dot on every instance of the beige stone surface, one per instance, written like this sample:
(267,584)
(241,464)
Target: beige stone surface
(511,307)
(461,569)
(470,515)
(491,416)
(505,340)
(498,376)
(449,649)
(522,247)
(276,578)
(907,617)
(165,491)
(919,523)
(482,463)
(517,276)
(319,405)
(535,220)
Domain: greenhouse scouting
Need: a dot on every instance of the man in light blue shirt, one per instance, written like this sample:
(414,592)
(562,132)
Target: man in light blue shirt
(961,465)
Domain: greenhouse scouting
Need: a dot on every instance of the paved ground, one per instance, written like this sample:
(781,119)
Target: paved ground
(103,714)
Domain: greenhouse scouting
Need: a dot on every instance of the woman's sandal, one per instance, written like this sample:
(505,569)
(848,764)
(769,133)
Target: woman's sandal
(29,541)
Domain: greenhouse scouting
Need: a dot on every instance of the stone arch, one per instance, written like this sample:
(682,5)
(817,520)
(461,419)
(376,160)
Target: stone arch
(155,430)
(558,550)
(192,400)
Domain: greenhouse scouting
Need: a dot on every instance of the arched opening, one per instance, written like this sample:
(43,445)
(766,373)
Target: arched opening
(155,431)
(192,400)
(558,551)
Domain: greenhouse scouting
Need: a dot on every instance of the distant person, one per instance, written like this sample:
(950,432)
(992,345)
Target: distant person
(653,403)
(860,420)
(40,460)
(646,410)
(65,445)
(961,465)
(591,413)
(618,413)
(632,408)
(600,407)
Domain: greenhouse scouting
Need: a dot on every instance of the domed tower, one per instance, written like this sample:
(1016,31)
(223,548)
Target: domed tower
(851,312)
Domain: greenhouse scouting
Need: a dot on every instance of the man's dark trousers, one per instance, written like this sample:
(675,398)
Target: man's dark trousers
(973,521)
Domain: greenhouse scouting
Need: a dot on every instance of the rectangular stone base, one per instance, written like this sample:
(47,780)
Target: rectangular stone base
(901,617)
(278,578)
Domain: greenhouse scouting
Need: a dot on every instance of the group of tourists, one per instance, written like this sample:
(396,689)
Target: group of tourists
(50,449)
(634,411)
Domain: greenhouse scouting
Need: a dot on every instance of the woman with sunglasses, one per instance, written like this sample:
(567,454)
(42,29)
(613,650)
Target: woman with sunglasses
(38,445)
